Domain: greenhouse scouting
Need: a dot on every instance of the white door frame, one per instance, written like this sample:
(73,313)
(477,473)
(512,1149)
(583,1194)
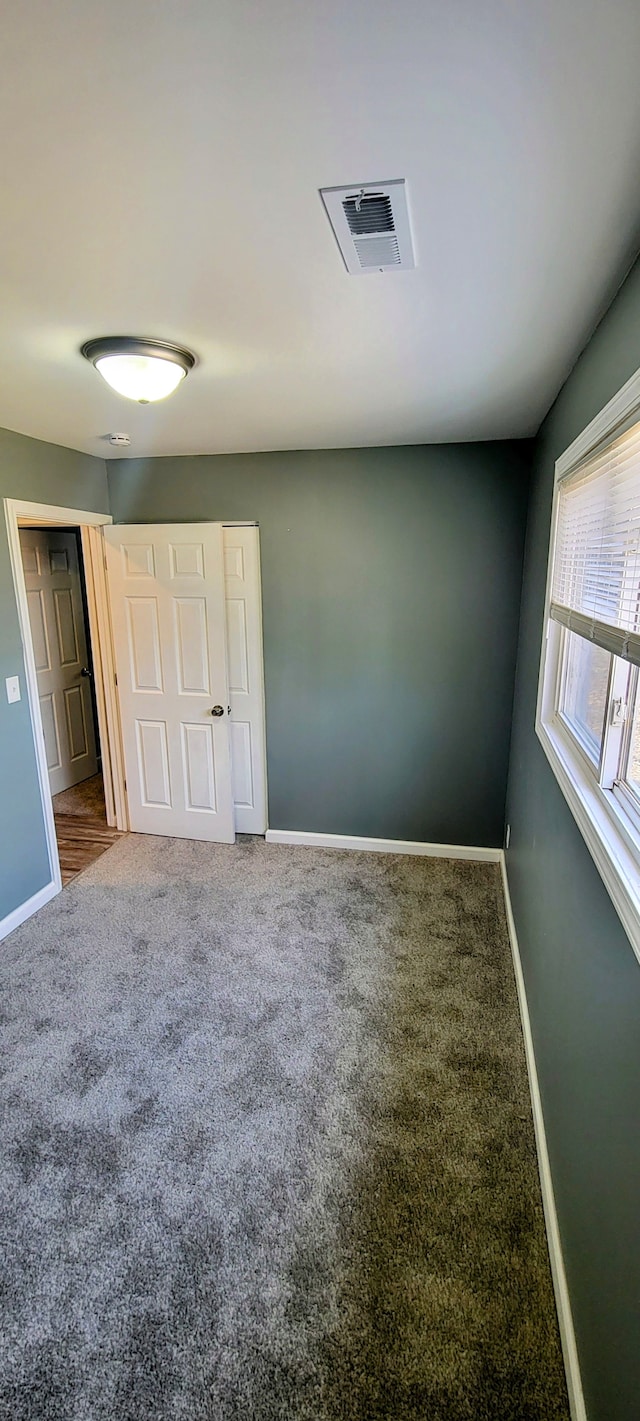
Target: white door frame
(256,672)
(107,703)
(102,652)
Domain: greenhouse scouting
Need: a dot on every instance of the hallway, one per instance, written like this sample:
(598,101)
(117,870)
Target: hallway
(82,831)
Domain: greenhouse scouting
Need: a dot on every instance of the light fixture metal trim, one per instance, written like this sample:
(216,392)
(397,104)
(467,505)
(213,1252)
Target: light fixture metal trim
(94,350)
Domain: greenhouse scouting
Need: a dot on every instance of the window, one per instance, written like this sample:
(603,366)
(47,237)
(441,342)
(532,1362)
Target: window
(583,697)
(588,717)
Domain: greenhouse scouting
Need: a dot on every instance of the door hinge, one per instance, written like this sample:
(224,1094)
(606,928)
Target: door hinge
(618,712)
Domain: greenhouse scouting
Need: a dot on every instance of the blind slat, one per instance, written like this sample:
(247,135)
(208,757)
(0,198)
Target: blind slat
(596,570)
(620,643)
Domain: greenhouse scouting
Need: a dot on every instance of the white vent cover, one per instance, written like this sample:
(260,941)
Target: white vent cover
(371,225)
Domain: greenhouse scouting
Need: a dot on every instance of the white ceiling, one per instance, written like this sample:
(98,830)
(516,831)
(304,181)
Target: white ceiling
(159,168)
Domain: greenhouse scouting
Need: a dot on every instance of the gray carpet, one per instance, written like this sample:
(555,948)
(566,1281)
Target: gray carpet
(266,1146)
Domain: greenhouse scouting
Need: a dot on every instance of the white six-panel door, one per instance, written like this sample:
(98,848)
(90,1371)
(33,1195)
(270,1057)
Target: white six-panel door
(58,634)
(167,596)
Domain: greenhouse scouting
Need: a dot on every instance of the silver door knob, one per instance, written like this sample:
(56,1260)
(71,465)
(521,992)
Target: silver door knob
(217,710)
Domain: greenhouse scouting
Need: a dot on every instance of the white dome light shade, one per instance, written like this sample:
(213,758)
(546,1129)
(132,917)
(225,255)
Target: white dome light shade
(141,370)
(140,377)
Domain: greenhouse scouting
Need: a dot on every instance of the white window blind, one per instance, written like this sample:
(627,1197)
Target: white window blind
(596,568)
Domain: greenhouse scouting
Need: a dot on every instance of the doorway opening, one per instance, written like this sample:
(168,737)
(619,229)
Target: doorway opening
(56,588)
(86,527)
(175,570)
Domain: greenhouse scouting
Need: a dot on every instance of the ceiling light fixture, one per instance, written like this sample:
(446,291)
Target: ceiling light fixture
(142,370)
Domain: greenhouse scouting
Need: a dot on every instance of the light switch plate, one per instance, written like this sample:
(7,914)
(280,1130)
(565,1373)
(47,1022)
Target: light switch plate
(13,688)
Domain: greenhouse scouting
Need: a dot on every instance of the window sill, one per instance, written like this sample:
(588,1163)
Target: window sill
(610,840)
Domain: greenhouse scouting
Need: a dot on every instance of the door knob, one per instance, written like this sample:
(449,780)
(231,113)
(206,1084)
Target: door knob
(217,710)
(86,672)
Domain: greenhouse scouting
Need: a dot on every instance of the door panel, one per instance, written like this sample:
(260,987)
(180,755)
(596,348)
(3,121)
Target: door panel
(243,795)
(237,634)
(199,767)
(50,731)
(58,631)
(76,724)
(166,590)
(191,646)
(35,602)
(143,628)
(153,763)
(67,648)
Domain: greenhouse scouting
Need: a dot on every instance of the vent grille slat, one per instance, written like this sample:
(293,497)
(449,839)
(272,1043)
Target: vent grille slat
(377,251)
(370,213)
(371,225)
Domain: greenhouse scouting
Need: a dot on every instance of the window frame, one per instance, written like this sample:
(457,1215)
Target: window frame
(601,805)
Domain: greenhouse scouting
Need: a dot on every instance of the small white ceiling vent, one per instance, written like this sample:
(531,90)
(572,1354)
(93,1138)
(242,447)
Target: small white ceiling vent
(371,225)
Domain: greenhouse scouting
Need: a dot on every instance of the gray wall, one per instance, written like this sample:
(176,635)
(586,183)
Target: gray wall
(43,473)
(583,980)
(391,585)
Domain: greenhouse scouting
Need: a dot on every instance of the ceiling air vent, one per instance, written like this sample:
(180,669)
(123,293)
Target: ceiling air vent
(371,225)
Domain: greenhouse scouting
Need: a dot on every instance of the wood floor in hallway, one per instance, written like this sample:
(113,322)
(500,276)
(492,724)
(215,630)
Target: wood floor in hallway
(82,831)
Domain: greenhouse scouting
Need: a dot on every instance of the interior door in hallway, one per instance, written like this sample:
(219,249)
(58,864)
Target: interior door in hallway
(56,613)
(167,597)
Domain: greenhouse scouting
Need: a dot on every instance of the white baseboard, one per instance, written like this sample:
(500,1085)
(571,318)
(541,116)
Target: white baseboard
(26,910)
(563,1304)
(383,846)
